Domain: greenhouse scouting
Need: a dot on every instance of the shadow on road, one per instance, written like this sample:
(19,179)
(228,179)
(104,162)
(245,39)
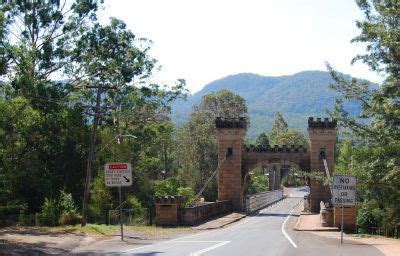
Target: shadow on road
(281,215)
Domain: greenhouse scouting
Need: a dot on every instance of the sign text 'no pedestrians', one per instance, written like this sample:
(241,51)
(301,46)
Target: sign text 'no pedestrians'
(344,190)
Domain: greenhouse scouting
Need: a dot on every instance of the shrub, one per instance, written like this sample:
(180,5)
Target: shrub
(69,218)
(133,202)
(188,193)
(54,209)
(66,203)
(50,213)
(100,200)
(168,186)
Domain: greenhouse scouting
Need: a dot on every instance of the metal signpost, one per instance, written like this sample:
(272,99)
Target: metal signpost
(118,175)
(344,194)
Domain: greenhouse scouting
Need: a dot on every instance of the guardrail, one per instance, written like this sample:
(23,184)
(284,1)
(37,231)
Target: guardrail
(258,201)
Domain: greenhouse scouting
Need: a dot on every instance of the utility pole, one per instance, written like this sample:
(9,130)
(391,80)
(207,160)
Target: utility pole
(90,157)
(92,146)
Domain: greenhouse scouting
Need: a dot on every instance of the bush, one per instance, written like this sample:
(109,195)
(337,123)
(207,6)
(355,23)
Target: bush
(168,186)
(25,219)
(100,200)
(54,209)
(188,193)
(66,203)
(133,202)
(69,218)
(49,214)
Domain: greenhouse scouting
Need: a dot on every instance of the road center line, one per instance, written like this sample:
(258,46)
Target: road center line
(209,248)
(284,231)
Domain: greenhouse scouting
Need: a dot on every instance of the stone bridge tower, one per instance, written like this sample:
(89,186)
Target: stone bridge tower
(230,135)
(322,135)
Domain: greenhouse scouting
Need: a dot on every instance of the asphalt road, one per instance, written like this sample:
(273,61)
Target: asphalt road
(269,232)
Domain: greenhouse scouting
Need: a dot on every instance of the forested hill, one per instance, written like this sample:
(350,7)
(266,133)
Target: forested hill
(296,96)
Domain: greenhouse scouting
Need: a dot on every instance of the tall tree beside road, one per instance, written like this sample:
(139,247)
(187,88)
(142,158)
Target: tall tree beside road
(32,53)
(375,159)
(105,71)
(106,63)
(33,42)
(197,144)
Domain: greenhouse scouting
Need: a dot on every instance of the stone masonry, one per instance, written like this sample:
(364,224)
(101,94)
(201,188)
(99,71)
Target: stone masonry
(236,160)
(230,134)
(322,135)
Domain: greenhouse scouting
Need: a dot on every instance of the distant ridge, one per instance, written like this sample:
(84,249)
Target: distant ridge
(296,96)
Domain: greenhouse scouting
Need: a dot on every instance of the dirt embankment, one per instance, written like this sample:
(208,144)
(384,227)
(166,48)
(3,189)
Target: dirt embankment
(18,240)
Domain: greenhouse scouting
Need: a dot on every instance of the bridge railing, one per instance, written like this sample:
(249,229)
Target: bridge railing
(258,201)
(196,214)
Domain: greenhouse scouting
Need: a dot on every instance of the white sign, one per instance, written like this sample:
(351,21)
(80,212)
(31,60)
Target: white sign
(344,190)
(118,174)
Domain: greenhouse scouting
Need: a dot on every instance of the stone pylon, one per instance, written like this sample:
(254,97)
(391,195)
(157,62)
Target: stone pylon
(322,135)
(230,135)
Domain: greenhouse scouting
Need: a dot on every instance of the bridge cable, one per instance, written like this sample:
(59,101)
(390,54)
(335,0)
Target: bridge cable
(208,181)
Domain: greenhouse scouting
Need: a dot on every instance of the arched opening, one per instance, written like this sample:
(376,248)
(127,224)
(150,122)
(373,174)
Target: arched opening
(275,173)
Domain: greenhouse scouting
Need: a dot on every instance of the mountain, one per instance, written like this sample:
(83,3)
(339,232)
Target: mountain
(296,96)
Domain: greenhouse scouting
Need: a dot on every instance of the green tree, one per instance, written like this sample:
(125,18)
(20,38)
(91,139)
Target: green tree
(344,159)
(375,160)
(32,51)
(263,140)
(33,45)
(278,127)
(222,103)
(257,183)
(281,135)
(196,149)
(291,137)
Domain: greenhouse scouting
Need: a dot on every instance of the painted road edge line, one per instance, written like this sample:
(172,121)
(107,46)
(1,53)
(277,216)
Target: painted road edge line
(284,231)
(169,241)
(209,248)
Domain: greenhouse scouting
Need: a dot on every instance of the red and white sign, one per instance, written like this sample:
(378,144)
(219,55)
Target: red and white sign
(118,174)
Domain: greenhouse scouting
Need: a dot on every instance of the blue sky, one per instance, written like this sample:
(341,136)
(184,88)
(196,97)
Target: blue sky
(201,41)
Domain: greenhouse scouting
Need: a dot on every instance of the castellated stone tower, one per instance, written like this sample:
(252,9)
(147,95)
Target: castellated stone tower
(230,134)
(322,135)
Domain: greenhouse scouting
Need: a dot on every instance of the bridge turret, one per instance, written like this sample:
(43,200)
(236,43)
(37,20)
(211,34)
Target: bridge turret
(322,135)
(230,135)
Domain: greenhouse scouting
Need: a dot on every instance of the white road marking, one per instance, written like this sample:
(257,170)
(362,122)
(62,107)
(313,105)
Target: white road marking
(209,248)
(169,241)
(284,232)
(194,241)
(217,230)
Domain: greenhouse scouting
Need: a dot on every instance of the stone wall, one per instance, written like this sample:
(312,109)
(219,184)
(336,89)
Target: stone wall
(167,209)
(263,199)
(194,215)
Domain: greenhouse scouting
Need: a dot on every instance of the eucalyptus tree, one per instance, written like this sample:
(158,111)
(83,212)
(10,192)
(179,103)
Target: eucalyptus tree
(33,49)
(196,149)
(375,158)
(32,56)
(110,68)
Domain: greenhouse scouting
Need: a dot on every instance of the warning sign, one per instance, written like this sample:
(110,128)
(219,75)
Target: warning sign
(344,190)
(118,174)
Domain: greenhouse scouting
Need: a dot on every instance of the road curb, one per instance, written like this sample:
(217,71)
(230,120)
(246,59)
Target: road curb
(296,227)
(225,223)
